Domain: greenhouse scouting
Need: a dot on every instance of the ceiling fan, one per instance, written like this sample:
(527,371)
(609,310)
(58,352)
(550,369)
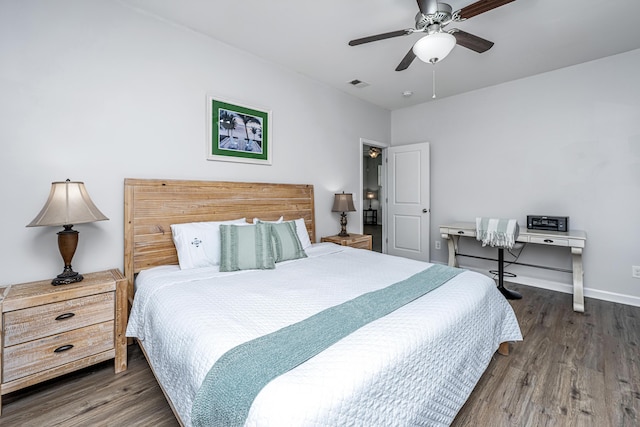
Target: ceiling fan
(431,20)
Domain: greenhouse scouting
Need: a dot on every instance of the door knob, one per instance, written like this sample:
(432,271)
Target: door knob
(425,210)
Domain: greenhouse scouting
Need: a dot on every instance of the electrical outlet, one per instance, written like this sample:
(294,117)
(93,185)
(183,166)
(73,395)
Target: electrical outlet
(438,245)
(635,271)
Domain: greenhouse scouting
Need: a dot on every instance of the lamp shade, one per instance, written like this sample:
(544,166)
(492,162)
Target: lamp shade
(68,203)
(343,203)
(371,195)
(434,47)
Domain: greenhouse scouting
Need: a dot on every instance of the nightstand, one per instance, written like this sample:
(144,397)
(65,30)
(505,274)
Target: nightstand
(51,330)
(360,241)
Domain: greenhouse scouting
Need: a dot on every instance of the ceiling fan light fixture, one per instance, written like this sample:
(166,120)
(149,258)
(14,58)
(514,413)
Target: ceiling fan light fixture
(434,47)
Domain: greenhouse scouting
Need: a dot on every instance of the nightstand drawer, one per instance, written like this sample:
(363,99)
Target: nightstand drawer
(46,353)
(41,321)
(361,244)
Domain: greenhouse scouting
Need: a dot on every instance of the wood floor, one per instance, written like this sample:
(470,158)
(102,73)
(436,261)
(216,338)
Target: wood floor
(571,369)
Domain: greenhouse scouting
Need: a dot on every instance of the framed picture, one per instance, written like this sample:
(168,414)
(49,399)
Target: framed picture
(238,133)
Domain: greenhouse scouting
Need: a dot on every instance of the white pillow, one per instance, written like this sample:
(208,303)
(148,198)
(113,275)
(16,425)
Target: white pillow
(277,221)
(198,243)
(303,234)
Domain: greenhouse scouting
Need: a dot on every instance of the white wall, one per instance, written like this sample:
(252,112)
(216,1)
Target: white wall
(95,91)
(561,143)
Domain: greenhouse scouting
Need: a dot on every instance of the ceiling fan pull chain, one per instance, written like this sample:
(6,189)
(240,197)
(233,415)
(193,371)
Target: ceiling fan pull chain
(434,82)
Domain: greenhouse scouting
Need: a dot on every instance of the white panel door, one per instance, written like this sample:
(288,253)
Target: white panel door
(408,201)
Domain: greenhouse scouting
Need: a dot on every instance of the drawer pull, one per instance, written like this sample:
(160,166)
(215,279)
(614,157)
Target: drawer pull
(460,232)
(65,316)
(548,241)
(63,348)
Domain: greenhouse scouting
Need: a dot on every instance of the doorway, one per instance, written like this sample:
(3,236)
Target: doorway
(373,192)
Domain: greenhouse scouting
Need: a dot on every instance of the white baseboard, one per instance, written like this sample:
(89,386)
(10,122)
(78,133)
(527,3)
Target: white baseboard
(565,288)
(612,297)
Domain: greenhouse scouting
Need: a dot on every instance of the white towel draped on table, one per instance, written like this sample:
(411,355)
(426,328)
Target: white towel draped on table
(497,231)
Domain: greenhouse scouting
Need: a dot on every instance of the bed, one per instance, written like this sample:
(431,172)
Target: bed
(415,365)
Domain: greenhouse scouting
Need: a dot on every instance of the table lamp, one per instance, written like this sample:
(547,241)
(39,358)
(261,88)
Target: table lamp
(343,203)
(68,204)
(371,195)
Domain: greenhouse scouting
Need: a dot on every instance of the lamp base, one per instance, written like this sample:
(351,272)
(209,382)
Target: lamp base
(67,243)
(343,225)
(66,277)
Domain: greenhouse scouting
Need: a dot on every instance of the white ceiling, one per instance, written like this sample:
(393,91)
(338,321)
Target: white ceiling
(530,36)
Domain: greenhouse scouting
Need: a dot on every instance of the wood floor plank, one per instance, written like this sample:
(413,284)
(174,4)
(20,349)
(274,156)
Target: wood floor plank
(571,370)
(622,369)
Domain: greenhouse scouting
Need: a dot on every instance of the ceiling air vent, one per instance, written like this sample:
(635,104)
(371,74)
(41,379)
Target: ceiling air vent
(358,83)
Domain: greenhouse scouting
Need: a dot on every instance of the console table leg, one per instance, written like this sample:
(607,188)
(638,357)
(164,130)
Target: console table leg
(451,245)
(578,276)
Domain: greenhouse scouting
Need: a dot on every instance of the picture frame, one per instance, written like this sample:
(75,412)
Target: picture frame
(238,132)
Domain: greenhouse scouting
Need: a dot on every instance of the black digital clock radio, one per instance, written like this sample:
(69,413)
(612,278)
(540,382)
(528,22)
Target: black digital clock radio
(550,223)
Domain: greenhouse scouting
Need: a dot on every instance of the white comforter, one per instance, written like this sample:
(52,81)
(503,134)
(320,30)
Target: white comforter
(416,366)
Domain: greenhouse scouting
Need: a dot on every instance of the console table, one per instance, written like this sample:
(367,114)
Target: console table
(573,239)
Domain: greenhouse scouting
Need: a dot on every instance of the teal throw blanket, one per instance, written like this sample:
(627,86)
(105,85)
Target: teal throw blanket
(228,390)
(498,232)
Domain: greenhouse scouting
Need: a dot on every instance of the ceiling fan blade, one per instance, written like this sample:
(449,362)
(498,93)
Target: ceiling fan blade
(406,61)
(475,43)
(380,37)
(481,6)
(428,7)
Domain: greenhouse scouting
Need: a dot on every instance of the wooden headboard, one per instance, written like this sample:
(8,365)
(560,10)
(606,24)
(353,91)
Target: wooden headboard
(152,205)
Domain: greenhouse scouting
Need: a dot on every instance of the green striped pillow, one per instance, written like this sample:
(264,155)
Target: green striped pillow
(286,244)
(246,247)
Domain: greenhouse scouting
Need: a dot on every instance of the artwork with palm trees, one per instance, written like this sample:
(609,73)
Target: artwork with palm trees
(238,133)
